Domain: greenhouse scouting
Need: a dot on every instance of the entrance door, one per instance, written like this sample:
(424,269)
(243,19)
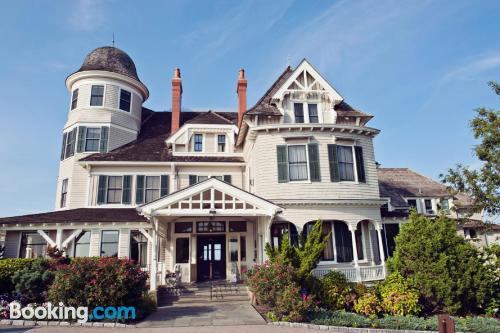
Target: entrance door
(211,251)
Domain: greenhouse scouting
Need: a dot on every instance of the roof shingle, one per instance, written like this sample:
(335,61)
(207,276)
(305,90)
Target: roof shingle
(79,215)
(150,145)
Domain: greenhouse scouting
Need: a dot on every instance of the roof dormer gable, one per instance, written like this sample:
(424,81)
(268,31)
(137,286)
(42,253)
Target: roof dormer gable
(306,83)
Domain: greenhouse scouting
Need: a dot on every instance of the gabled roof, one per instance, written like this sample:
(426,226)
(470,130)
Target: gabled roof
(400,183)
(79,215)
(150,144)
(212,117)
(211,196)
(345,110)
(263,105)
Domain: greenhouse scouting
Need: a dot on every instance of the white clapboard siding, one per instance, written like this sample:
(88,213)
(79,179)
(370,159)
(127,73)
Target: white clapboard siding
(12,239)
(95,243)
(264,165)
(124,243)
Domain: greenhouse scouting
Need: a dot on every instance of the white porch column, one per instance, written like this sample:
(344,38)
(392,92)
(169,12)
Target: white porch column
(154,259)
(352,229)
(59,241)
(378,227)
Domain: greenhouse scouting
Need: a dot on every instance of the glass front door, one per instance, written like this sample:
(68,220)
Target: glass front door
(211,252)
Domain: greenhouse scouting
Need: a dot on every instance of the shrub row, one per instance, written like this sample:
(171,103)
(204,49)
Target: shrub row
(348,319)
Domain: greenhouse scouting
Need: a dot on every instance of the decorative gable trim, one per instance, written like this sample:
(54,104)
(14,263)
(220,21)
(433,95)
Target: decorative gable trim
(303,67)
(208,198)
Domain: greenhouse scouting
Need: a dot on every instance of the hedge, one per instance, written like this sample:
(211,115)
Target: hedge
(348,319)
(8,267)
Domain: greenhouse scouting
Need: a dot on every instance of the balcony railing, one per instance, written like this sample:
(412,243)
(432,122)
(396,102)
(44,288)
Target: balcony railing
(355,274)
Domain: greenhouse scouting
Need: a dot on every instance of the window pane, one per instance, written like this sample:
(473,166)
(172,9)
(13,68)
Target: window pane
(237,226)
(198,142)
(327,230)
(345,162)
(297,162)
(74,99)
(33,245)
(243,248)
(152,195)
(233,249)
(96,97)
(109,236)
(182,250)
(125,97)
(109,249)
(138,248)
(183,227)
(313,113)
(298,109)
(221,143)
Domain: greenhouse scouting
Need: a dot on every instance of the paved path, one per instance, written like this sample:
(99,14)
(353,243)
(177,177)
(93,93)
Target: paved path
(198,329)
(204,314)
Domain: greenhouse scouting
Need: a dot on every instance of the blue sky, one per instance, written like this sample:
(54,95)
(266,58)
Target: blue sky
(420,67)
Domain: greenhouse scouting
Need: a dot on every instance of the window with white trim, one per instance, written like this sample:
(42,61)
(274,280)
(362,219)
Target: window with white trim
(64,192)
(97,95)
(298,112)
(125,100)
(297,163)
(152,188)
(92,138)
(221,143)
(198,143)
(312,110)
(82,245)
(74,99)
(109,243)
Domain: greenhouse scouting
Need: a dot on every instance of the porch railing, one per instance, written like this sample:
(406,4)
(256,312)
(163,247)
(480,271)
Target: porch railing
(354,274)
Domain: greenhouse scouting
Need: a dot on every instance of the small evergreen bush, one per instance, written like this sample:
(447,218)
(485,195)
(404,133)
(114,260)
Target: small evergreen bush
(340,318)
(8,268)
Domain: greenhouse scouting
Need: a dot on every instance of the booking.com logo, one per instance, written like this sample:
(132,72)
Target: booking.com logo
(61,312)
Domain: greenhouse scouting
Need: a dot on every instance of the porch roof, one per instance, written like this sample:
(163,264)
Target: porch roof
(208,198)
(79,215)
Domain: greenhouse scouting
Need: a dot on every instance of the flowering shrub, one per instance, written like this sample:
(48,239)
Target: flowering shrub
(8,267)
(269,280)
(368,305)
(99,281)
(398,299)
(291,305)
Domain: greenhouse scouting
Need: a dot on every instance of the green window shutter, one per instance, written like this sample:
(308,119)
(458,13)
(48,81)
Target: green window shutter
(333,161)
(127,182)
(82,132)
(139,192)
(282,156)
(360,164)
(63,149)
(192,180)
(102,189)
(164,182)
(72,138)
(314,162)
(228,179)
(103,144)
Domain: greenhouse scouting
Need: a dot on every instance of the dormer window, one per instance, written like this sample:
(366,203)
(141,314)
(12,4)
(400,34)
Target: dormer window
(221,143)
(74,99)
(198,143)
(298,109)
(313,113)
(125,98)
(97,95)
(311,116)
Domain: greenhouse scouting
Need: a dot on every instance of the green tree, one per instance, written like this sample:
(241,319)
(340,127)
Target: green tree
(306,255)
(481,184)
(448,272)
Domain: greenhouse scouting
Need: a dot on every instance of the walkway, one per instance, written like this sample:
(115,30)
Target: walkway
(204,314)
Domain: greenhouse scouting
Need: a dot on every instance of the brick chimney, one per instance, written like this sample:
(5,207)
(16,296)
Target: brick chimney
(242,95)
(176,101)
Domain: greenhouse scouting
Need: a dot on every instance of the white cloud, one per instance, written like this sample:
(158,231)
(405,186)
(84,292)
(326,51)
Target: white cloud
(87,15)
(472,68)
